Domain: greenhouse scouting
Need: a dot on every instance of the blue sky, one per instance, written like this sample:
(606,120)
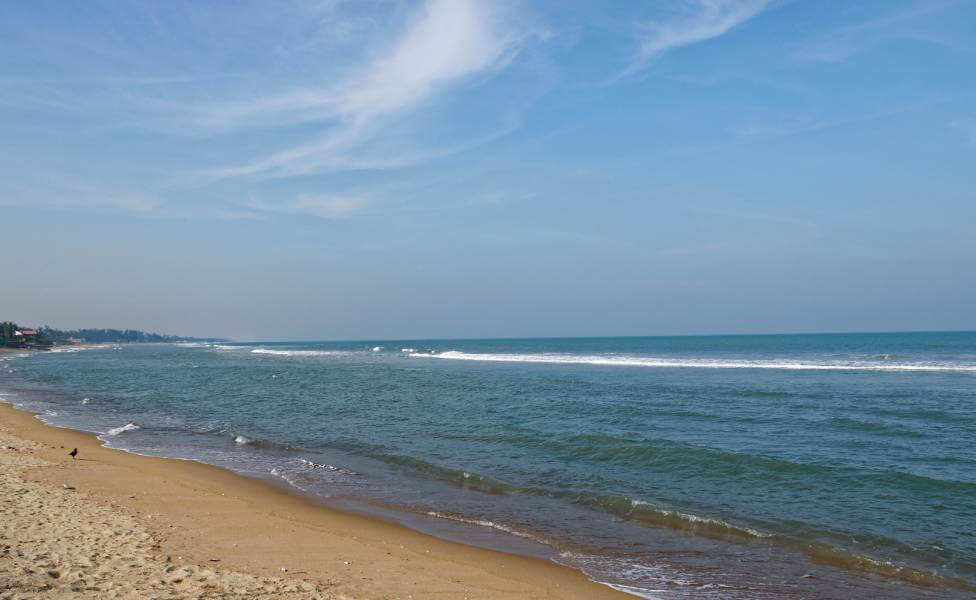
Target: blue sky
(452,168)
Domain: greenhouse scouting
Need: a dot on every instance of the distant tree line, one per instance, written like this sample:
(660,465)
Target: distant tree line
(7,329)
(48,335)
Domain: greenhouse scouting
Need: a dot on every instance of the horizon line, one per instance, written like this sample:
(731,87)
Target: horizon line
(597,337)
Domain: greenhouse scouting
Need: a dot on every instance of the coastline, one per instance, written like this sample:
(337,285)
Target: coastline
(8,350)
(223,527)
(57,348)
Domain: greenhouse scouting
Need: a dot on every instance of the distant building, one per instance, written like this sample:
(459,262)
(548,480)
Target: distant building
(25,337)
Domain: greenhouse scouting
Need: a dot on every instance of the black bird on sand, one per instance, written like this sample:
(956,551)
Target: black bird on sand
(73,453)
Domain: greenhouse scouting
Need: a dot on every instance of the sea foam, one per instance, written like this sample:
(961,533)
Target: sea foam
(122,429)
(297,352)
(701,363)
(487,523)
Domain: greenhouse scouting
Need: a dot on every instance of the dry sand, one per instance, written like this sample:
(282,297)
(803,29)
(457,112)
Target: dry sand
(142,527)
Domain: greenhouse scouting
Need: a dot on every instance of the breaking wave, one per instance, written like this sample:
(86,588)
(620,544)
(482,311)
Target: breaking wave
(243,440)
(122,429)
(487,523)
(331,468)
(297,352)
(702,363)
(288,478)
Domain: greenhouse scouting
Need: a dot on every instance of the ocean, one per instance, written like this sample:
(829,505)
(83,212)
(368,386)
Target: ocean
(813,466)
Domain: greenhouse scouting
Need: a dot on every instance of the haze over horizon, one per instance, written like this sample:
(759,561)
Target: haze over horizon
(460,169)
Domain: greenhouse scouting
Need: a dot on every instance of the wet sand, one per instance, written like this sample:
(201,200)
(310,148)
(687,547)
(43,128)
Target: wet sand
(136,526)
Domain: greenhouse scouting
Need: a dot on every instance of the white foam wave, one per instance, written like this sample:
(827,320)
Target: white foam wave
(85,400)
(287,477)
(240,439)
(377,348)
(122,429)
(296,352)
(486,523)
(701,363)
(68,349)
(314,465)
(631,576)
(691,518)
(208,345)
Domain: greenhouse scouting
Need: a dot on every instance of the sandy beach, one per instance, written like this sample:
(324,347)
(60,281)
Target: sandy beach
(117,525)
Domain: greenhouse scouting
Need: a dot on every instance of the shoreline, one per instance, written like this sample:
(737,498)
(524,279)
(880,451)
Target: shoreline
(54,348)
(210,517)
(708,556)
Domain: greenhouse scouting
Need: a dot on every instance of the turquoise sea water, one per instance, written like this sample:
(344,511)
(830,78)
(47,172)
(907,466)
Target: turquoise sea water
(818,466)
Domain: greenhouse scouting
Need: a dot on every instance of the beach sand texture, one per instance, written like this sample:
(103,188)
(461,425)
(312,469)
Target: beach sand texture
(143,527)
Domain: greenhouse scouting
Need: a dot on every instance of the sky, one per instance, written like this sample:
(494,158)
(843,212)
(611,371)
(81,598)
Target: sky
(378,169)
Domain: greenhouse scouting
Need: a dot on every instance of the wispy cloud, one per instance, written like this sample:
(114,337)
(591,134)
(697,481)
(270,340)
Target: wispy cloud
(333,207)
(801,124)
(336,87)
(55,186)
(38,185)
(906,25)
(450,42)
(699,20)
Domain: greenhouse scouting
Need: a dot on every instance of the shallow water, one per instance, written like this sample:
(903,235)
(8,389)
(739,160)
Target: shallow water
(734,466)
